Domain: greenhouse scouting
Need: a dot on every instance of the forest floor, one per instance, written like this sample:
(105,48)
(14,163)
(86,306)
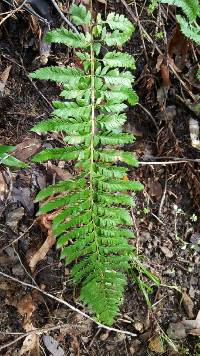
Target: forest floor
(165,217)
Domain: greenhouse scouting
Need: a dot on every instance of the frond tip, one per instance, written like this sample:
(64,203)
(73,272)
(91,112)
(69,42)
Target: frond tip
(92,223)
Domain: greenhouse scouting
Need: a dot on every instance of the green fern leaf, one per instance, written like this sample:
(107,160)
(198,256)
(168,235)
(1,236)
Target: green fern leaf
(63,154)
(108,289)
(80,15)
(189,30)
(189,7)
(120,186)
(6,149)
(58,74)
(114,77)
(92,223)
(68,38)
(119,59)
(119,22)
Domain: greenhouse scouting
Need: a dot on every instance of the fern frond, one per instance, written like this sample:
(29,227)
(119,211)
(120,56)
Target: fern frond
(92,223)
(119,59)
(189,25)
(189,30)
(189,7)
(119,22)
(59,74)
(69,38)
(79,15)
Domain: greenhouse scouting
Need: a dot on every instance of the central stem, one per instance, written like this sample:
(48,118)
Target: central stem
(92,70)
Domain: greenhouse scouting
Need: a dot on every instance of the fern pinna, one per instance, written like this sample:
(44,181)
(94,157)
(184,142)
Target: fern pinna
(189,24)
(91,208)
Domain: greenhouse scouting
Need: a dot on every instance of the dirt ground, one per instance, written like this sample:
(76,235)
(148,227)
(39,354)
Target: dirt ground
(166,213)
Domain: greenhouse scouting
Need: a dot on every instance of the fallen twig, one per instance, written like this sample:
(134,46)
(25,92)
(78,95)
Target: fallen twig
(63,17)
(156,47)
(149,114)
(11,13)
(35,331)
(184,160)
(68,305)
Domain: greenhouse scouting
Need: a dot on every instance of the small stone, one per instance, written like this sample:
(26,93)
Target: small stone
(192,292)
(166,251)
(104,336)
(193,281)
(13,218)
(85,339)
(120,337)
(138,326)
(135,345)
(145,236)
(176,331)
(110,347)
(18,271)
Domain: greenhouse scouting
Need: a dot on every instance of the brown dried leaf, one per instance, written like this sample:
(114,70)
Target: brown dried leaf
(3,79)
(195,332)
(164,71)
(188,305)
(156,345)
(25,306)
(27,148)
(42,252)
(192,324)
(30,345)
(38,256)
(178,46)
(155,189)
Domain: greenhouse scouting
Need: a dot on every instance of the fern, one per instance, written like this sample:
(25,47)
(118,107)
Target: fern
(188,24)
(8,160)
(93,207)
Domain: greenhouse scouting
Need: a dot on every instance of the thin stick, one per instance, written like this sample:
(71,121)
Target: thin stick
(67,304)
(141,33)
(19,237)
(36,331)
(163,197)
(63,17)
(157,48)
(11,13)
(148,113)
(143,163)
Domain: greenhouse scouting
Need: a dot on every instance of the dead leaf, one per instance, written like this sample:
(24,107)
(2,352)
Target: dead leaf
(3,187)
(46,246)
(30,345)
(176,331)
(156,345)
(178,47)
(3,79)
(155,189)
(53,346)
(180,330)
(27,148)
(4,286)
(188,304)
(25,306)
(60,171)
(13,218)
(192,324)
(195,332)
(3,193)
(162,67)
